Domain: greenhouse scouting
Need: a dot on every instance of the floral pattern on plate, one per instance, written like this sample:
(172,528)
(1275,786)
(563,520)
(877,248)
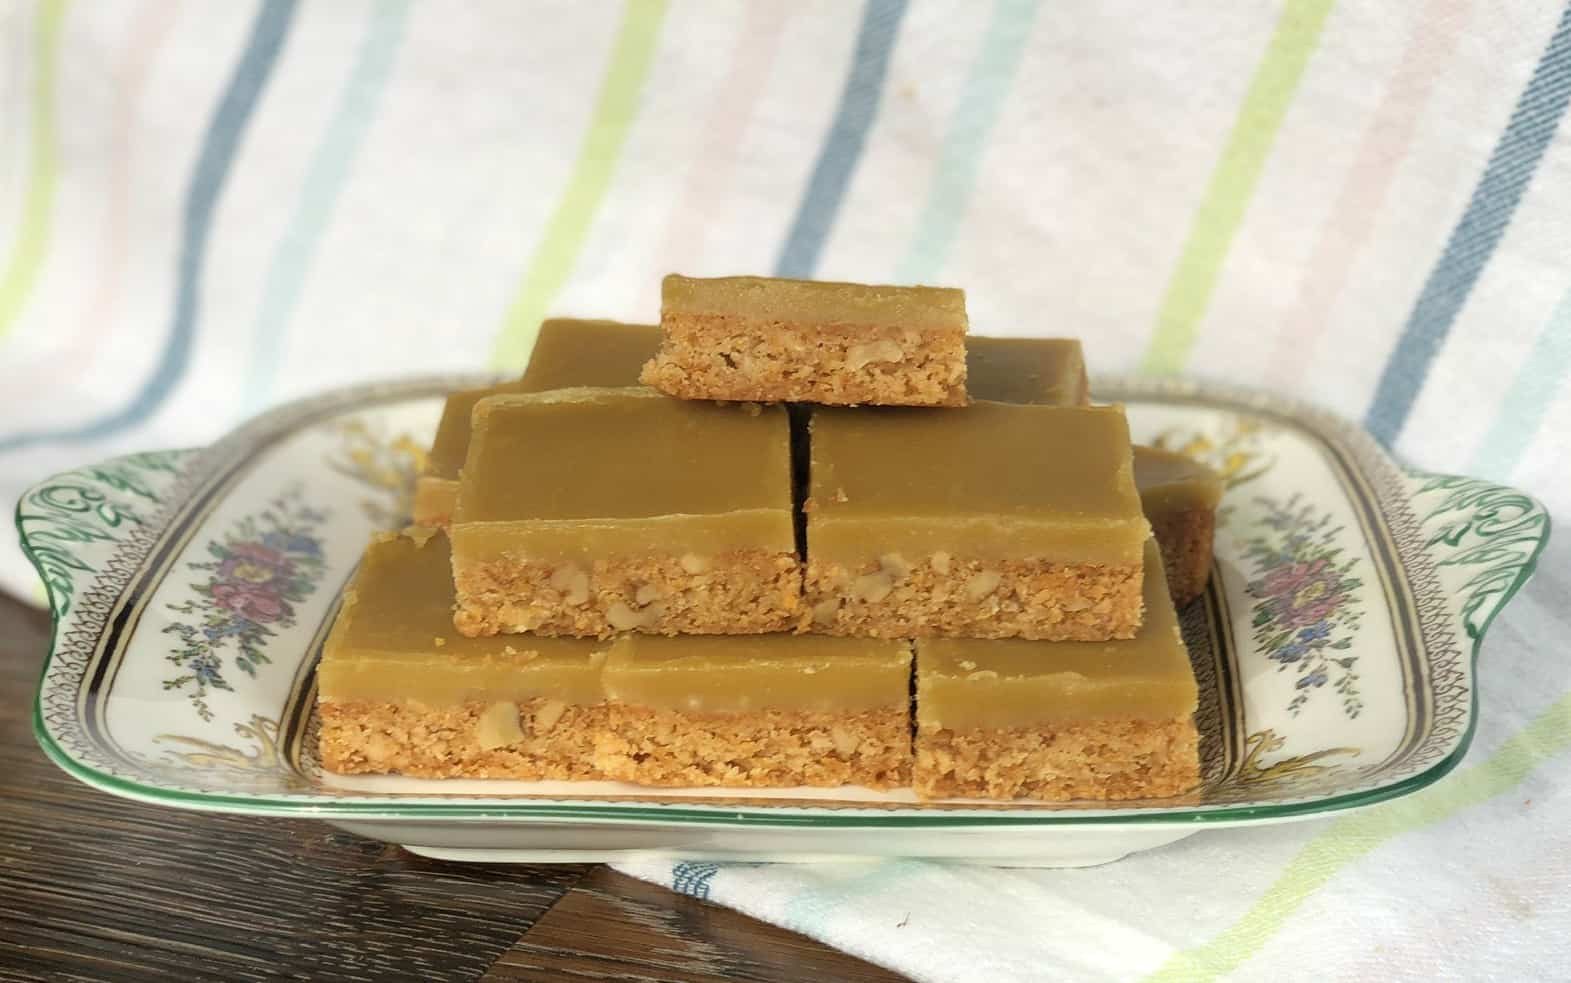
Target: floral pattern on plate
(255,574)
(1309,605)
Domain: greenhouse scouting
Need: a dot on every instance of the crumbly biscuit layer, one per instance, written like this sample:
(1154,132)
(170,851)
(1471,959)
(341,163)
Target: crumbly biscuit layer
(1095,759)
(757,749)
(715,356)
(943,595)
(741,592)
(537,739)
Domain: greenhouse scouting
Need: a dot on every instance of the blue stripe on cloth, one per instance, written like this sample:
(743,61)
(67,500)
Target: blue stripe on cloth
(692,877)
(1473,241)
(985,88)
(864,87)
(329,171)
(1528,399)
(207,182)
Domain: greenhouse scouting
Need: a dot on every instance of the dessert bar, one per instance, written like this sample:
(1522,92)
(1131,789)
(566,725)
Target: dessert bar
(1179,496)
(774,340)
(592,511)
(999,521)
(1005,719)
(761,710)
(399,690)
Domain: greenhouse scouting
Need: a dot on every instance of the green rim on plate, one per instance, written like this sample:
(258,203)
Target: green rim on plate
(104,538)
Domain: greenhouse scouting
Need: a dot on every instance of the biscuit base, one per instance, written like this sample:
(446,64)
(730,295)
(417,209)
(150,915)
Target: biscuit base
(446,741)
(1092,759)
(757,749)
(741,592)
(1185,540)
(974,599)
(434,501)
(716,356)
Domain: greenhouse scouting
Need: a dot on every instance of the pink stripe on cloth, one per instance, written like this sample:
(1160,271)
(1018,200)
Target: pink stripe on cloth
(1350,222)
(751,60)
(152,28)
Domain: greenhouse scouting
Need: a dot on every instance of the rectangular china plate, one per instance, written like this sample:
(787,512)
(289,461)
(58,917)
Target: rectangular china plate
(192,590)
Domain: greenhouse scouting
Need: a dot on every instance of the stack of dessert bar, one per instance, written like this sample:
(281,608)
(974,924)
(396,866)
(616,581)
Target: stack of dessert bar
(799,534)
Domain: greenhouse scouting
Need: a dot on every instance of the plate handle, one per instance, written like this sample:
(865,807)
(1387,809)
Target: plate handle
(1484,539)
(71,524)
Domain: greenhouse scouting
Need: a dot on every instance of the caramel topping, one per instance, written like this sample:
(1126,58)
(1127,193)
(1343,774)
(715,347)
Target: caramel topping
(575,474)
(568,352)
(572,352)
(451,444)
(815,301)
(1172,482)
(738,674)
(995,480)
(394,640)
(622,453)
(1051,371)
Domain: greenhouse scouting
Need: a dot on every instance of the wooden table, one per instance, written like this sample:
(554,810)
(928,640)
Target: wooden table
(95,887)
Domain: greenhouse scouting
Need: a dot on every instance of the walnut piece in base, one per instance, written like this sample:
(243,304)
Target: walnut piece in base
(944,595)
(1093,759)
(756,749)
(739,592)
(541,738)
(765,710)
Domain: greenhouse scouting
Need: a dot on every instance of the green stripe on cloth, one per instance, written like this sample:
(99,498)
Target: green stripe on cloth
(1357,835)
(27,254)
(568,227)
(1233,183)
(215,162)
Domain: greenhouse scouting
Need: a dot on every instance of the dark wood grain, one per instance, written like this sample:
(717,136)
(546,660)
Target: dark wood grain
(98,888)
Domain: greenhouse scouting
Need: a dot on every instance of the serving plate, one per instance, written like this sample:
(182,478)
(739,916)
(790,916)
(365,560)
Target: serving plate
(191,591)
